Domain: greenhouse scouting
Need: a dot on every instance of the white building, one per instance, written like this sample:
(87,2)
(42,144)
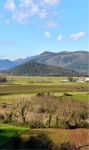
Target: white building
(86,79)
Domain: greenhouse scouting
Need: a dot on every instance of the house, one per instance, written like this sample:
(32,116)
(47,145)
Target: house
(65,80)
(86,79)
(81,80)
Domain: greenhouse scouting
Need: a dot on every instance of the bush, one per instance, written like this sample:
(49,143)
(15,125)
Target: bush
(14,143)
(3,79)
(41,141)
(68,146)
(67,94)
(36,124)
(83,124)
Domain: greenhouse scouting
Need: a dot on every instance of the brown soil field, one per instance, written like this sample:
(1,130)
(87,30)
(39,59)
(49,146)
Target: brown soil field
(78,137)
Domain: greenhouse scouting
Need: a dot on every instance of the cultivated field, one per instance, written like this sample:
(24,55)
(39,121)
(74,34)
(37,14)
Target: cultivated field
(17,85)
(78,137)
(45,97)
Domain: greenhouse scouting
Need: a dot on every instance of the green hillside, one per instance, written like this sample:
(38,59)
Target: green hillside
(35,69)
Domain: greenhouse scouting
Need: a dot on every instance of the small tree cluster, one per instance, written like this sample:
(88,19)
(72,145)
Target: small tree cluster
(3,79)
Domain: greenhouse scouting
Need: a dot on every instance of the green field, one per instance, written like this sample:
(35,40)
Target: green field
(17,85)
(9,131)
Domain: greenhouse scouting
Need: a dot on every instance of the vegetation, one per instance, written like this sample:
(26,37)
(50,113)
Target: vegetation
(8,131)
(45,103)
(3,79)
(45,110)
(56,139)
(77,60)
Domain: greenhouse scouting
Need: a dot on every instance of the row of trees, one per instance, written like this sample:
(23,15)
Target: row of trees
(47,111)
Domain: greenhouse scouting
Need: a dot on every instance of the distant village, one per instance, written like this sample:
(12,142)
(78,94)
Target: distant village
(76,80)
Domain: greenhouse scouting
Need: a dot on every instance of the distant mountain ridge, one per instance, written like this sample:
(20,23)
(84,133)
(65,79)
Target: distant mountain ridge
(77,60)
(38,69)
(6,64)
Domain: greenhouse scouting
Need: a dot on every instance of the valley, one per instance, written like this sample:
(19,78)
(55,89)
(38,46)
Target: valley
(46,101)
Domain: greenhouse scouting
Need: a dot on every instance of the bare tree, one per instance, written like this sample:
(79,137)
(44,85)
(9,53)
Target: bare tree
(21,108)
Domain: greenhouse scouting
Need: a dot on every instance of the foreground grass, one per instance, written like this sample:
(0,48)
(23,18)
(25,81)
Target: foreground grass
(9,131)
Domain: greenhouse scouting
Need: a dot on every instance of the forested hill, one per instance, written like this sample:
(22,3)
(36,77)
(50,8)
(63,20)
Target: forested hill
(36,68)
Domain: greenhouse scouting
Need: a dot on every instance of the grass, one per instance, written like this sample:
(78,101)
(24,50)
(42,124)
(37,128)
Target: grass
(35,84)
(36,79)
(81,96)
(9,131)
(33,79)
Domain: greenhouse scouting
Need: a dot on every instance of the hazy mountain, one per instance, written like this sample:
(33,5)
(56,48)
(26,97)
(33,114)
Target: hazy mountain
(36,68)
(23,60)
(6,64)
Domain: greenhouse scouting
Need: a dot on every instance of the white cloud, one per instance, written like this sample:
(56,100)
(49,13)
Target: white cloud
(43,13)
(21,17)
(59,38)
(47,34)
(51,2)
(26,3)
(34,8)
(23,10)
(77,36)
(51,24)
(10,5)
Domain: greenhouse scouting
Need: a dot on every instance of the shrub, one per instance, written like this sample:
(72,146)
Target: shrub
(14,143)
(68,146)
(36,123)
(41,141)
(3,79)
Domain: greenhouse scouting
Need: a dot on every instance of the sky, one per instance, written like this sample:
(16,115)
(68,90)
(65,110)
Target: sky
(30,27)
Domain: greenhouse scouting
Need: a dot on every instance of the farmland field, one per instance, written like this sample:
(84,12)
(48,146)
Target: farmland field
(79,137)
(17,86)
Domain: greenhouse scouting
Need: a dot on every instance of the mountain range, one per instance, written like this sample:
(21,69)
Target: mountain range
(76,61)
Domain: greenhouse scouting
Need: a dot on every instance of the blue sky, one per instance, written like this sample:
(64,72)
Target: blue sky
(29,27)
